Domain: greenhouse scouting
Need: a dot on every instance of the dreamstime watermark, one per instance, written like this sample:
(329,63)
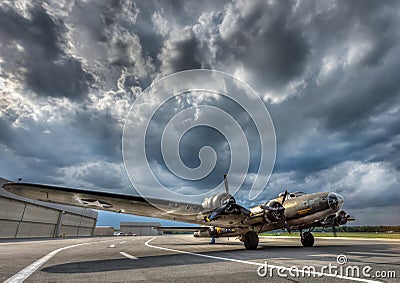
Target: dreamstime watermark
(163,154)
(341,270)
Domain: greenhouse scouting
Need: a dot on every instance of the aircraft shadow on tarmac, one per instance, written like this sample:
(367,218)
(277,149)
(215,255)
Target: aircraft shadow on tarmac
(119,264)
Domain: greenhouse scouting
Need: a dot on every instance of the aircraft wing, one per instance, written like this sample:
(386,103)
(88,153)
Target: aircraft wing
(129,204)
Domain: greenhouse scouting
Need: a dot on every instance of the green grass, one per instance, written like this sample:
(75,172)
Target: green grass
(341,234)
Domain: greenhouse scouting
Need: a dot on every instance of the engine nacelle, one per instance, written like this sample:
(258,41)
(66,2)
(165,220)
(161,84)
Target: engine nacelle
(341,218)
(273,211)
(215,201)
(337,219)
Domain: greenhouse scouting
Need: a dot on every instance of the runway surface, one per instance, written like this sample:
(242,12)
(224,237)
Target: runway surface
(182,258)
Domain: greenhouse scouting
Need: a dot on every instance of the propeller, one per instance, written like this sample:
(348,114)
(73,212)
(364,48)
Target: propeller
(333,224)
(227,205)
(284,197)
(340,219)
(226,185)
(276,211)
(284,217)
(349,218)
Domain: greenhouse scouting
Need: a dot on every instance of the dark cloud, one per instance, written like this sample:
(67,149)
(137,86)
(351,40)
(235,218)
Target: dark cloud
(198,137)
(185,55)
(346,106)
(88,156)
(150,39)
(367,95)
(262,38)
(49,70)
(102,131)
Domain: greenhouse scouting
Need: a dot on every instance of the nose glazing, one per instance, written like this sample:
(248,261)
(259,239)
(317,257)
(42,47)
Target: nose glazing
(335,201)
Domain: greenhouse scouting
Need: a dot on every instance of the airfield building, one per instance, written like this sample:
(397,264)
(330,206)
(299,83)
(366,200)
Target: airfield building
(140,228)
(104,231)
(25,218)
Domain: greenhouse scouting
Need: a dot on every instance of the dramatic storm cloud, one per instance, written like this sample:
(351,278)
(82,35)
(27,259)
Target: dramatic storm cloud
(326,71)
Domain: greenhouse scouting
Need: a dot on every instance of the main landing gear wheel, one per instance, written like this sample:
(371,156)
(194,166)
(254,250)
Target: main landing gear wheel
(250,240)
(307,239)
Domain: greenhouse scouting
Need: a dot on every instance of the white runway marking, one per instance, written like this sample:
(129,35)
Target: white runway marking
(27,271)
(371,253)
(256,263)
(128,255)
(325,255)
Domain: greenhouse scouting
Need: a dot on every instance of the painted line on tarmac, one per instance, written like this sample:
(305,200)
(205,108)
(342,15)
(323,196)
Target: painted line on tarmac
(373,253)
(128,255)
(325,255)
(276,267)
(27,271)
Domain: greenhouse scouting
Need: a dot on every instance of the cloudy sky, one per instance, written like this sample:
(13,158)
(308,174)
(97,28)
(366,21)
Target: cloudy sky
(326,70)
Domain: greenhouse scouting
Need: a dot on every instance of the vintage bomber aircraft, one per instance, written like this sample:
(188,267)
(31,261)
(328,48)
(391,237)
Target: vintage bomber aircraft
(220,215)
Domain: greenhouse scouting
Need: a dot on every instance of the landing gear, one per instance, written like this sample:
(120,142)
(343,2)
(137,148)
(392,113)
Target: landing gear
(307,239)
(250,240)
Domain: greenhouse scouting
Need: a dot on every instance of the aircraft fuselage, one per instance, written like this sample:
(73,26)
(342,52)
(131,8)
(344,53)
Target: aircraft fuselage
(302,211)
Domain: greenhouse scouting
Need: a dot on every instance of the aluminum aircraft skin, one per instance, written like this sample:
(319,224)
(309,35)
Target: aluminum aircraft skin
(219,216)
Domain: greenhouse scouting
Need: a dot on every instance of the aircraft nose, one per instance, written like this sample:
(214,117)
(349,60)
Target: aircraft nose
(335,201)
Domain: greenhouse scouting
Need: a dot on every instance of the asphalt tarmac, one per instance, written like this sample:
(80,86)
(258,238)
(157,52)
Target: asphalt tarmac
(183,258)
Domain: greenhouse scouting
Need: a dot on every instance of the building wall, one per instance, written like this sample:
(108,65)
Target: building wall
(76,225)
(104,231)
(139,228)
(21,219)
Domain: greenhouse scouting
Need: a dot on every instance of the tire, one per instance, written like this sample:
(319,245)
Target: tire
(251,240)
(307,239)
